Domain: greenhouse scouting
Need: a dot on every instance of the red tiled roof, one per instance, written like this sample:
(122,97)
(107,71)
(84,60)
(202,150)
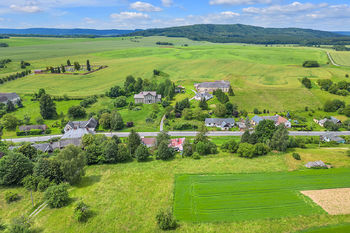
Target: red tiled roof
(177,143)
(149,141)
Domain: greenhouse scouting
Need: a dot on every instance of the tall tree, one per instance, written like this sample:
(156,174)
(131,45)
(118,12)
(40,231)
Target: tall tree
(10,107)
(134,140)
(265,130)
(203,104)
(161,137)
(110,151)
(280,139)
(88,66)
(142,153)
(47,107)
(72,163)
(164,151)
(116,122)
(69,63)
(230,92)
(13,168)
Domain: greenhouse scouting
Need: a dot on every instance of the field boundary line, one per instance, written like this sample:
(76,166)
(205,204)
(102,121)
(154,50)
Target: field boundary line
(331,59)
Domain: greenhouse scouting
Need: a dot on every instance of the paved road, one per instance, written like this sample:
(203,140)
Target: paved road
(179,134)
(331,59)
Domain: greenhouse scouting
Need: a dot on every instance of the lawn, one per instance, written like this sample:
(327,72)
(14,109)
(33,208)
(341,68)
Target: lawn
(242,197)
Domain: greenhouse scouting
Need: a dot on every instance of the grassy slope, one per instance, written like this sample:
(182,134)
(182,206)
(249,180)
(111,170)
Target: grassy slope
(126,197)
(261,77)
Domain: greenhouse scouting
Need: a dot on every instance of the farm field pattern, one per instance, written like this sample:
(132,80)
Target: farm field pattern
(238,197)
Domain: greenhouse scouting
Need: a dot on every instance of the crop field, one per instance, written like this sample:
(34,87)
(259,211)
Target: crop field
(239,197)
(341,57)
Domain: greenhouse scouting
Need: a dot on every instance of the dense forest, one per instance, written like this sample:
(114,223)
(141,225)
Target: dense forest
(238,33)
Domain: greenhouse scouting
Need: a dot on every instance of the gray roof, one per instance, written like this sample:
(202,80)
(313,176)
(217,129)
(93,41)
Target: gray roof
(257,119)
(4,97)
(216,84)
(316,164)
(30,127)
(142,95)
(204,95)
(91,123)
(76,133)
(64,143)
(333,137)
(220,121)
(44,147)
(332,119)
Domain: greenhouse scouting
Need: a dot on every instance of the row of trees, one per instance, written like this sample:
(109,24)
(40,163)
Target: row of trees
(132,85)
(12,77)
(341,88)
(3,62)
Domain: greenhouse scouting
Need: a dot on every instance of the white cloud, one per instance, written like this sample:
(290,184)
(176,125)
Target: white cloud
(229,14)
(238,2)
(144,6)
(167,3)
(26,9)
(129,16)
(286,9)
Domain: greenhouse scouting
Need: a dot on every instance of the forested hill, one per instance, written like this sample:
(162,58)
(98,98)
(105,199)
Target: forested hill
(248,34)
(64,32)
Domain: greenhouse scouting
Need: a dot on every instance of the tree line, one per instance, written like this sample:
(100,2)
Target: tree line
(12,77)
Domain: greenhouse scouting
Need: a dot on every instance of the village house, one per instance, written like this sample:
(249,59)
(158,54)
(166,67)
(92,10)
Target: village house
(25,128)
(222,123)
(331,119)
(91,124)
(203,96)
(147,97)
(149,142)
(213,86)
(5,97)
(77,129)
(277,119)
(177,144)
(331,137)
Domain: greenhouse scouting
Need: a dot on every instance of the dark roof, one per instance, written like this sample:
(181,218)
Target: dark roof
(216,84)
(64,143)
(4,97)
(44,147)
(30,127)
(91,123)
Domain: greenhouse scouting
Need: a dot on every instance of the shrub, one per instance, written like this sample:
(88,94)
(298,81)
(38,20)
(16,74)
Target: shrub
(310,64)
(120,102)
(142,153)
(246,150)
(43,184)
(166,220)
(130,124)
(76,112)
(230,146)
(20,225)
(11,197)
(306,82)
(296,156)
(196,156)
(82,212)
(261,149)
(57,196)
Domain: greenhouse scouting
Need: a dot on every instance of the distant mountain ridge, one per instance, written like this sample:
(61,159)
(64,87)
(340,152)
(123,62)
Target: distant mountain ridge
(239,33)
(65,32)
(217,33)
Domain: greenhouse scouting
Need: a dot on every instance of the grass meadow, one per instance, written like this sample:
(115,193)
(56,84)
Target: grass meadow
(262,77)
(127,197)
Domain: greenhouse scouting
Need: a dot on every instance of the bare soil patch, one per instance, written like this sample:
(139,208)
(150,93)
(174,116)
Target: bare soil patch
(334,201)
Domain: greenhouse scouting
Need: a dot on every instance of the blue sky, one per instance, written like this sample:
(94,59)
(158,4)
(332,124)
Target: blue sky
(125,14)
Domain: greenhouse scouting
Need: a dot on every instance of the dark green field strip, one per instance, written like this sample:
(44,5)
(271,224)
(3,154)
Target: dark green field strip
(329,229)
(237,197)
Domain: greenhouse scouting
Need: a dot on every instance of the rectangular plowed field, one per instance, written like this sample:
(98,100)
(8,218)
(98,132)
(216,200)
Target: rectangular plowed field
(238,197)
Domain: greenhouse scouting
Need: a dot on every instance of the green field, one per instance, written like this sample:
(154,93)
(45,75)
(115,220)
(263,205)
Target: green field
(341,57)
(242,197)
(262,77)
(330,229)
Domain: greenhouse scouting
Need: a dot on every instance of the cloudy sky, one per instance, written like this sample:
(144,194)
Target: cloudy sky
(125,14)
